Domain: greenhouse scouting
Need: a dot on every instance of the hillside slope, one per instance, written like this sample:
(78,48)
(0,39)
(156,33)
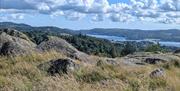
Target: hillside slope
(56,65)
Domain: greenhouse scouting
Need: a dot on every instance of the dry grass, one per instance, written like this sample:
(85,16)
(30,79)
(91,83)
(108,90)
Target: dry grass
(21,74)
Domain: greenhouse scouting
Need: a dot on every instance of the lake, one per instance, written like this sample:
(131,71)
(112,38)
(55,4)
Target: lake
(116,38)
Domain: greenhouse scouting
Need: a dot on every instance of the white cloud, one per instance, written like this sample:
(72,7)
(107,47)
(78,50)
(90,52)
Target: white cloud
(170,5)
(73,15)
(12,17)
(57,13)
(165,11)
(121,17)
(43,7)
(119,7)
(98,17)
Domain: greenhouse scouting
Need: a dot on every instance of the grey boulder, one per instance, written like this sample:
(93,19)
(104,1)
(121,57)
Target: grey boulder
(59,66)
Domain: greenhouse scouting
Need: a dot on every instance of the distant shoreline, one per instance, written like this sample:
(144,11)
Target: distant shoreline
(123,39)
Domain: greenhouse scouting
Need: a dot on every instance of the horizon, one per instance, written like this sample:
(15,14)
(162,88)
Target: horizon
(93,28)
(90,14)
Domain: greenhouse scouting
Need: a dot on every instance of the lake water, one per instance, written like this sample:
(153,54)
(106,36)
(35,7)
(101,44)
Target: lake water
(176,44)
(116,38)
(111,38)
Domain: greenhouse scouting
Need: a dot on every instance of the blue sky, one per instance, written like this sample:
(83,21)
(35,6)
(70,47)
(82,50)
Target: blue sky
(148,17)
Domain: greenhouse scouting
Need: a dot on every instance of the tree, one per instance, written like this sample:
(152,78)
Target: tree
(154,48)
(128,49)
(113,52)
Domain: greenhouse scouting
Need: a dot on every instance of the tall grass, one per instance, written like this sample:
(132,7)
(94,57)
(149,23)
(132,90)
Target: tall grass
(22,74)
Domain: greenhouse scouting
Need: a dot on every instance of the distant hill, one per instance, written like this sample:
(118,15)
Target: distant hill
(135,34)
(27,28)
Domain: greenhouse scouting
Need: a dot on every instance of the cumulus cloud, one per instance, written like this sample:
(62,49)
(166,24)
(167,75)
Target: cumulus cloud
(73,15)
(98,17)
(170,5)
(164,11)
(120,17)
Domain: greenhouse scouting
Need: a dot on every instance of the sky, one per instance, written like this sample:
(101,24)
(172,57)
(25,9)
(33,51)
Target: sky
(89,14)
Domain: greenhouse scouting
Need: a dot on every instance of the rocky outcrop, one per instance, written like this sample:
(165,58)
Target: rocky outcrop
(57,44)
(15,43)
(154,60)
(83,57)
(59,66)
(177,51)
(14,33)
(12,48)
(143,58)
(60,45)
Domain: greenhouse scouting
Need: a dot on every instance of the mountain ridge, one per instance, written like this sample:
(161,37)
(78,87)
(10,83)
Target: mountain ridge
(164,35)
(23,24)
(131,34)
(26,28)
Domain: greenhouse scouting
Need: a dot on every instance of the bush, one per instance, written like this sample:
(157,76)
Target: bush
(94,46)
(177,63)
(128,49)
(154,48)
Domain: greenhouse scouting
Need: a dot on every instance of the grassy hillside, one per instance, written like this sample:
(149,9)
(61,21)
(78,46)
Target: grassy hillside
(53,64)
(22,74)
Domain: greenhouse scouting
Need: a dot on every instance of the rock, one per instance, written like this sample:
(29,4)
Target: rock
(157,73)
(133,61)
(177,51)
(145,58)
(61,46)
(141,63)
(112,61)
(57,44)
(83,57)
(14,33)
(13,43)
(12,48)
(107,62)
(154,60)
(59,66)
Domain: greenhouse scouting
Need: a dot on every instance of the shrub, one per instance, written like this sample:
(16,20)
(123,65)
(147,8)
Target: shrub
(154,48)
(177,63)
(128,49)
